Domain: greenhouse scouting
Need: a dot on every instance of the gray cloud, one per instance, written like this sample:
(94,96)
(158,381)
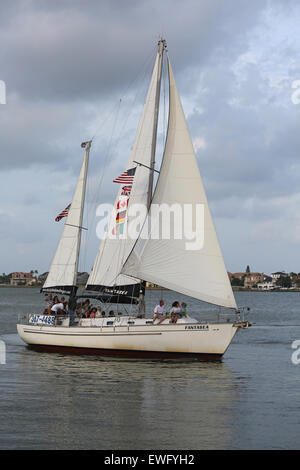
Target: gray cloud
(82,50)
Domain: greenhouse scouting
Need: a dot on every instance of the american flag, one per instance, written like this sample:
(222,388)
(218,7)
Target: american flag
(126,177)
(64,213)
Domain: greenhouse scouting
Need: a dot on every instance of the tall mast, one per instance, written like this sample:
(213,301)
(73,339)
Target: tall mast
(162,45)
(87,146)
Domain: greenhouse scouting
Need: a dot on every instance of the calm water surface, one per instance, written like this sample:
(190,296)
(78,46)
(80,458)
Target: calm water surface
(250,400)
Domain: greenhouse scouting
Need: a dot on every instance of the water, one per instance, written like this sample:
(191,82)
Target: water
(250,400)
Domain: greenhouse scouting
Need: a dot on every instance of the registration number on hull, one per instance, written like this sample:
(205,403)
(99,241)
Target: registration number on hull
(42,320)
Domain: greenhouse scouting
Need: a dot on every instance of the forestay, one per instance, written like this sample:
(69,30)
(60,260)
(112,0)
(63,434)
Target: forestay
(105,275)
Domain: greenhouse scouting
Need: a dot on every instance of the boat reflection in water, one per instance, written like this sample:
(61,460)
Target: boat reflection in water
(125,404)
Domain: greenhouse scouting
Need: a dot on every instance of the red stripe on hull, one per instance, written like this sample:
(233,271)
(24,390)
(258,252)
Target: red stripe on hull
(125,353)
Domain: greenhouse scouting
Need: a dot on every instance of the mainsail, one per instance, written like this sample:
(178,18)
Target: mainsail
(197,273)
(105,276)
(62,276)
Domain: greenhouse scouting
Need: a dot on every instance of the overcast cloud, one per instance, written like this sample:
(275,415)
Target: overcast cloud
(68,63)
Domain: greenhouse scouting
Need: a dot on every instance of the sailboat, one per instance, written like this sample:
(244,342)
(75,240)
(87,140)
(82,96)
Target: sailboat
(124,264)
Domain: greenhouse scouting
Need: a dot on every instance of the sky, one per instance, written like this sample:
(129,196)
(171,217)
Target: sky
(75,69)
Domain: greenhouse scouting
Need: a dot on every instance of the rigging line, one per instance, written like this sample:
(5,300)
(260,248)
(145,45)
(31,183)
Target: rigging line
(130,85)
(77,226)
(84,237)
(138,137)
(99,186)
(147,59)
(122,129)
(121,250)
(146,166)
(128,115)
(133,104)
(82,261)
(83,252)
(97,195)
(121,247)
(164,91)
(131,302)
(147,216)
(106,119)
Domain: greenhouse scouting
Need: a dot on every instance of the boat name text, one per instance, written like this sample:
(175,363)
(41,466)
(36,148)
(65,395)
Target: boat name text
(197,327)
(116,291)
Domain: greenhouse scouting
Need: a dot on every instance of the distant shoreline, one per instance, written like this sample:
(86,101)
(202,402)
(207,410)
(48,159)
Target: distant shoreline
(18,287)
(245,289)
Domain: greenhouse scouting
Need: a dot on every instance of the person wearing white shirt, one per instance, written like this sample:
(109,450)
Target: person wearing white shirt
(175,312)
(57,308)
(159,312)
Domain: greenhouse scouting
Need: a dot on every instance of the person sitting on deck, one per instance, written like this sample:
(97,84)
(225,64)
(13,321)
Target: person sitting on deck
(78,310)
(98,312)
(93,312)
(87,311)
(86,308)
(57,308)
(65,303)
(49,303)
(111,313)
(175,312)
(103,314)
(183,309)
(159,312)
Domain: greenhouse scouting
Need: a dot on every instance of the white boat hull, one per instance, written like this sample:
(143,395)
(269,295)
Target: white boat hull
(207,341)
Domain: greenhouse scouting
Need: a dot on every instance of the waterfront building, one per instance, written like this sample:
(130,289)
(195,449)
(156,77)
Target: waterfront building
(251,279)
(22,279)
